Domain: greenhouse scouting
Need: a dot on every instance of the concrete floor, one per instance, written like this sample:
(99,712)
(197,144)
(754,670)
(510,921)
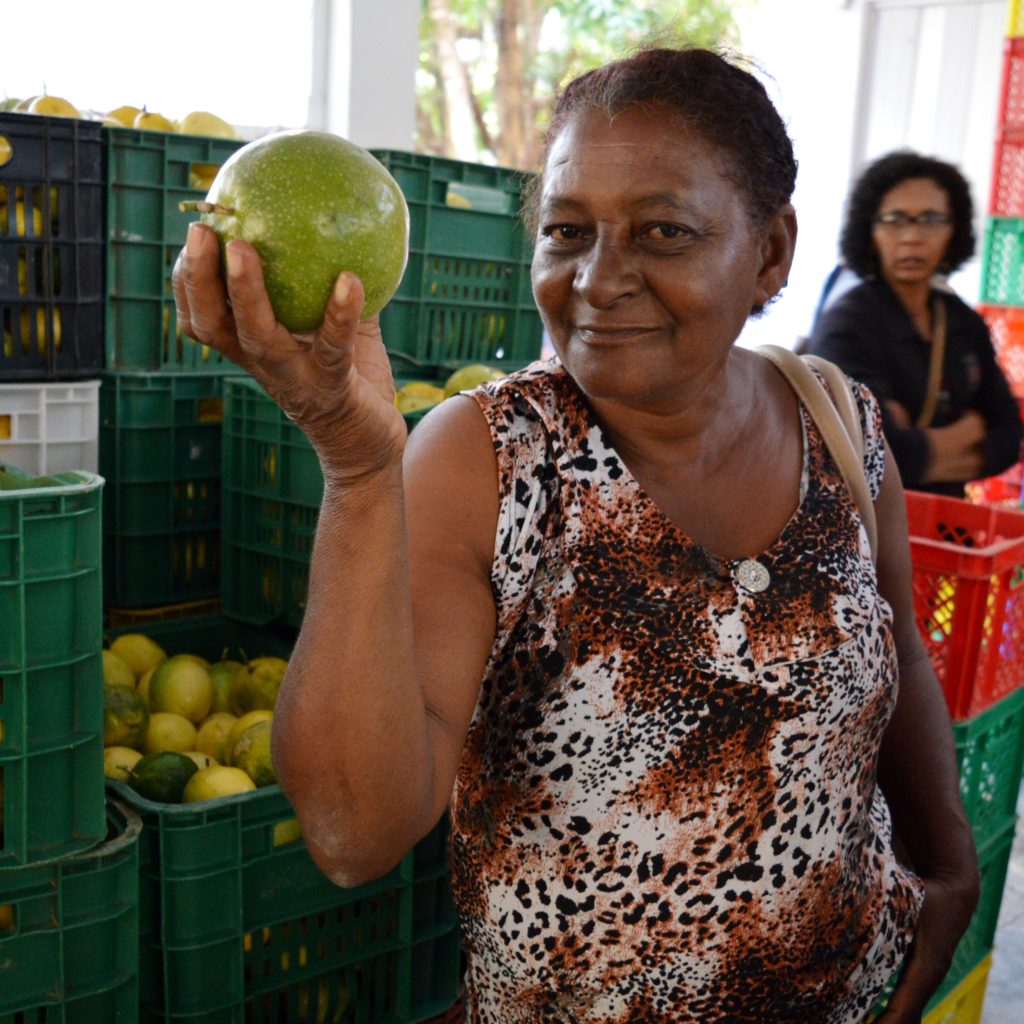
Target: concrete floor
(1004,999)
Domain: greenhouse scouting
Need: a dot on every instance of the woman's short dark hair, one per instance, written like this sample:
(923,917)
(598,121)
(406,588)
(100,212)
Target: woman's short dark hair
(724,103)
(856,245)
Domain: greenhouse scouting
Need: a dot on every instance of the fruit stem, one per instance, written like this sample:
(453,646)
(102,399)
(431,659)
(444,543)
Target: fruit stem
(202,206)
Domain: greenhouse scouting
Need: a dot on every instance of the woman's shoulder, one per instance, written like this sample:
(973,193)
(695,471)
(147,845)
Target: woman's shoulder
(537,390)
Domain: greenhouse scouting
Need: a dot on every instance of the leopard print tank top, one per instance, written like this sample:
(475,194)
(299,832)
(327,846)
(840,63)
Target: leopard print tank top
(666,810)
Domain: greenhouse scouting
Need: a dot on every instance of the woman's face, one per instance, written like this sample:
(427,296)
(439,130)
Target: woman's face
(647,264)
(909,252)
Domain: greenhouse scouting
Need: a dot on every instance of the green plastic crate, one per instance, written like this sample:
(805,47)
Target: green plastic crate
(466,295)
(272,488)
(238,925)
(148,175)
(1002,262)
(990,756)
(160,453)
(977,941)
(51,672)
(210,636)
(69,933)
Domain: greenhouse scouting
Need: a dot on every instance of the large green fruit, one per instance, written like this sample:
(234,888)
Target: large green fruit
(162,776)
(313,205)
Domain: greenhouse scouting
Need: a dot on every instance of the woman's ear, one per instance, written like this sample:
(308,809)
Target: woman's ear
(778,243)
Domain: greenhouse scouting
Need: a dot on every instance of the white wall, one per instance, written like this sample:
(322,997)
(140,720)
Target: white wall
(364,67)
(855,79)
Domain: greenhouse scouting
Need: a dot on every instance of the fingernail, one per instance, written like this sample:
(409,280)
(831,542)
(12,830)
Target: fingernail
(234,261)
(341,289)
(193,240)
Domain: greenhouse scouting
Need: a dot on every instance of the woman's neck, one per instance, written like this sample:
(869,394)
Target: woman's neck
(915,297)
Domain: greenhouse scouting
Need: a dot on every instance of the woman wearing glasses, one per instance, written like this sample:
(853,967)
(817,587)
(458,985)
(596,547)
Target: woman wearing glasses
(947,410)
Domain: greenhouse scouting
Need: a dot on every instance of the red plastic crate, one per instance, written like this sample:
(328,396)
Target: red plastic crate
(1006,193)
(968,567)
(1006,326)
(1011,90)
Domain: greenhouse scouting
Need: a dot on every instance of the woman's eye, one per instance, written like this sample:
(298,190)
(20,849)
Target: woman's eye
(562,232)
(667,231)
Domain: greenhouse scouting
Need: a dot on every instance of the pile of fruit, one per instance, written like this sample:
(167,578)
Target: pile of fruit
(196,122)
(180,729)
(420,395)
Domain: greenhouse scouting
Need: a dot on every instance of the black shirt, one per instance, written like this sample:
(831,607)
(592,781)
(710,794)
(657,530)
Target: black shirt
(868,333)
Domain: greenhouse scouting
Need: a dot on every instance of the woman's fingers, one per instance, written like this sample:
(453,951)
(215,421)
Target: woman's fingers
(333,343)
(200,297)
(262,339)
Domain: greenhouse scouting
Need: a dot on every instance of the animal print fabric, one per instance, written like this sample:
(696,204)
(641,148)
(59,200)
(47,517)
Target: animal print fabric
(666,810)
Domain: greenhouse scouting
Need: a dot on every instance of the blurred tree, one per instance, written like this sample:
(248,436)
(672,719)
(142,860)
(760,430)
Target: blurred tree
(489,68)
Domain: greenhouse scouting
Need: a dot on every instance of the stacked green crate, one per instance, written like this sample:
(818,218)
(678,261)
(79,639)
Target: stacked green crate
(160,453)
(160,401)
(237,924)
(967,563)
(69,932)
(272,486)
(68,863)
(466,295)
(51,698)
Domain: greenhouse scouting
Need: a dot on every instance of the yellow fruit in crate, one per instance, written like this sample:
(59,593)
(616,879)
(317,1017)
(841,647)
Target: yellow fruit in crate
(251,753)
(417,395)
(182,686)
(6,917)
(256,685)
(465,378)
(200,176)
(323,1001)
(53,106)
(124,115)
(202,122)
(168,731)
(197,659)
(151,121)
(116,671)
(241,724)
(201,760)
(213,735)
(218,780)
(125,717)
(21,222)
(143,686)
(141,654)
(222,676)
(118,762)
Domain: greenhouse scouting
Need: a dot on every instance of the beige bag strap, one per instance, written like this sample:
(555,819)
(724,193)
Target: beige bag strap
(836,415)
(935,362)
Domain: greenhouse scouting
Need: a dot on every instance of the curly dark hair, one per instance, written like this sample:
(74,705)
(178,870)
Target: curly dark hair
(855,243)
(726,104)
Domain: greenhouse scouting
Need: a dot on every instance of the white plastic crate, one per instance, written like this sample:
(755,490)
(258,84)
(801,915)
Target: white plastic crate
(50,428)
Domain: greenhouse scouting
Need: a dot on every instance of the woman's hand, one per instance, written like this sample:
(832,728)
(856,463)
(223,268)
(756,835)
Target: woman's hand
(336,384)
(944,917)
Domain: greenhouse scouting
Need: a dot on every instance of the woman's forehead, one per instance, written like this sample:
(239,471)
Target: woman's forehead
(637,147)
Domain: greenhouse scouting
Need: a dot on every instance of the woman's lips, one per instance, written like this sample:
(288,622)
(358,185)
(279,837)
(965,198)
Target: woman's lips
(593,335)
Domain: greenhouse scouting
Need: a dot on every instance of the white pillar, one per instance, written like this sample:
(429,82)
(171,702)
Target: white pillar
(365,55)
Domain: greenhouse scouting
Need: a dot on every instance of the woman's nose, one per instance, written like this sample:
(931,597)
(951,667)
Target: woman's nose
(606,272)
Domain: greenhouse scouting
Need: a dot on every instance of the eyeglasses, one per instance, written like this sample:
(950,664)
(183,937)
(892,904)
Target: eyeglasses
(897,220)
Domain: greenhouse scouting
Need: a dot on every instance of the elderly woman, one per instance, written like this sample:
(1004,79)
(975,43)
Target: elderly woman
(909,217)
(618,611)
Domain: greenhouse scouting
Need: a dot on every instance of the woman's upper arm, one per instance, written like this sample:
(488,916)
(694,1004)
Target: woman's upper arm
(451,497)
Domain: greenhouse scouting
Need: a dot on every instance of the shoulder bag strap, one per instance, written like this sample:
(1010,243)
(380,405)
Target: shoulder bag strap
(837,418)
(934,365)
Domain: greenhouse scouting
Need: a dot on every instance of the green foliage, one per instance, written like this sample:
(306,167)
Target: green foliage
(575,35)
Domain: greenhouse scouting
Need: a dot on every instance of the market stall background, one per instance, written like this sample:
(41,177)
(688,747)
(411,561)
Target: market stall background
(151,488)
